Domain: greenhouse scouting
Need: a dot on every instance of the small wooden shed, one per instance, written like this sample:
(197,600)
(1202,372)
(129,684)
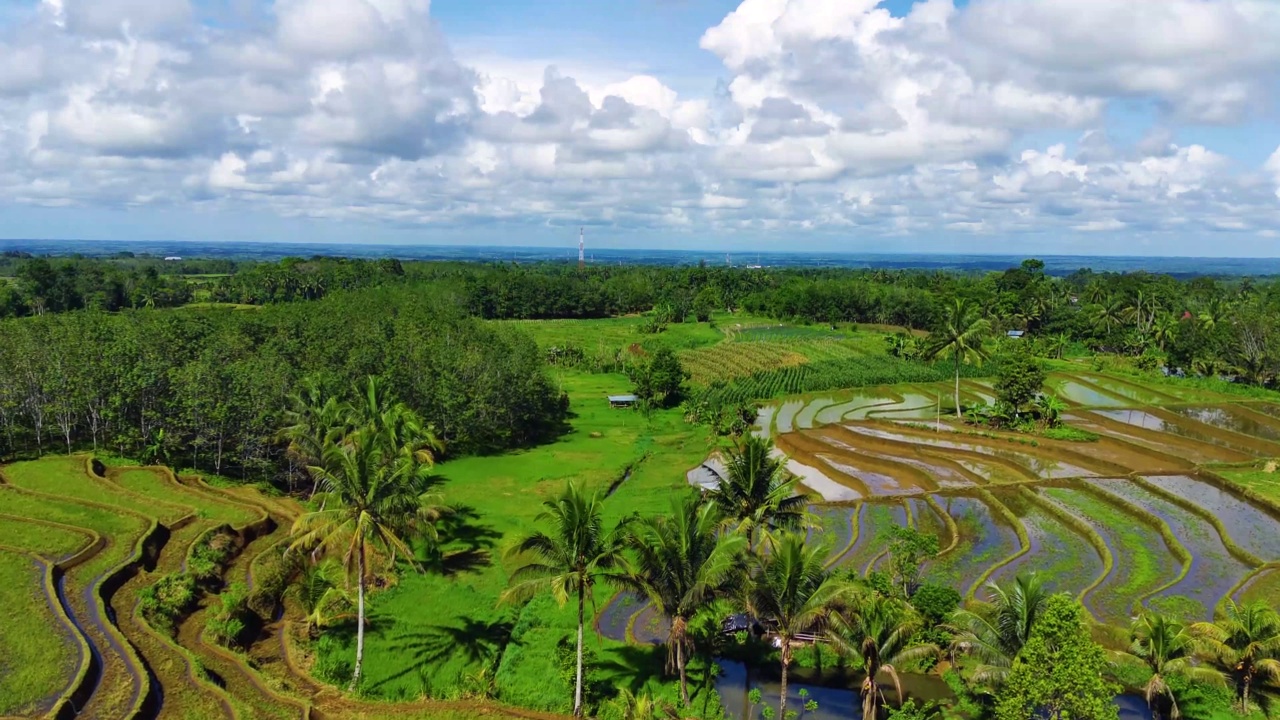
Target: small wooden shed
(622,401)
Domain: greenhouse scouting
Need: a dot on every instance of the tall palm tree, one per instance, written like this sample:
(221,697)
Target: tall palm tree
(960,337)
(1168,649)
(376,406)
(1245,640)
(791,590)
(683,562)
(756,492)
(374,498)
(570,559)
(878,630)
(995,632)
(320,594)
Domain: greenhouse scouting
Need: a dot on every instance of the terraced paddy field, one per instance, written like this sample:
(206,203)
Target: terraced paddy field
(1171,506)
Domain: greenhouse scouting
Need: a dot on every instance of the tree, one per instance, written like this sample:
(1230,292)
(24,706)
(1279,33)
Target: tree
(568,560)
(1168,649)
(1246,641)
(314,421)
(909,550)
(792,592)
(374,498)
(319,593)
(1050,408)
(756,492)
(996,632)
(1059,673)
(960,338)
(878,630)
(682,563)
(660,380)
(1020,378)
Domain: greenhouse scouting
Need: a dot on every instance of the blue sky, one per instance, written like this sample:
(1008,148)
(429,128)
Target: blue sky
(1060,126)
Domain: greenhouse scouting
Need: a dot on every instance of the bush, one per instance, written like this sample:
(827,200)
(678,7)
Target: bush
(210,555)
(163,603)
(935,602)
(333,665)
(1068,433)
(227,619)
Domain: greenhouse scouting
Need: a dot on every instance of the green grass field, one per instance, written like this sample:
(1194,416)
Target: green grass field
(39,657)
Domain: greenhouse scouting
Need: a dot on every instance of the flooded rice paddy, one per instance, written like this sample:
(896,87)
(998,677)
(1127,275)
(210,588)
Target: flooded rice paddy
(1138,517)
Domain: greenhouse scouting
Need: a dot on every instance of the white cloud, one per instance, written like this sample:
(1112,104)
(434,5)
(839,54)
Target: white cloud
(832,116)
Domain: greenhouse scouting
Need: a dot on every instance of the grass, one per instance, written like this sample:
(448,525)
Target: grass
(431,631)
(67,476)
(39,658)
(157,484)
(1258,478)
(619,333)
(50,541)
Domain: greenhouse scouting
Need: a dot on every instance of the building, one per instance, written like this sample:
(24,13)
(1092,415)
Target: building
(623,401)
(1015,334)
(173,258)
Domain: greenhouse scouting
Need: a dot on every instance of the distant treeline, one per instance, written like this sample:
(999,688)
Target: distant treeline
(207,387)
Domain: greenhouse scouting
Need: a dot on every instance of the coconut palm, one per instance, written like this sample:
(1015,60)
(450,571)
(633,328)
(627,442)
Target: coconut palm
(960,337)
(314,419)
(683,562)
(995,632)
(376,406)
(319,592)
(1245,639)
(570,559)
(374,498)
(1168,649)
(755,492)
(878,630)
(791,591)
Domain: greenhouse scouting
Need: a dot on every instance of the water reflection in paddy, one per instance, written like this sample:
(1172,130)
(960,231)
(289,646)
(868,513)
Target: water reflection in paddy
(1251,527)
(984,541)
(1041,466)
(1228,418)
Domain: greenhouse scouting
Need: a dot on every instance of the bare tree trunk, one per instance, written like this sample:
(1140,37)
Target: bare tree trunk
(959,415)
(786,663)
(680,663)
(577,689)
(355,677)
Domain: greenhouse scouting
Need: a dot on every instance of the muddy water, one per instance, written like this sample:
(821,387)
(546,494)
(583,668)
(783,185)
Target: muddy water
(613,619)
(926,520)
(878,484)
(1251,527)
(913,404)
(1136,394)
(1184,428)
(1041,466)
(984,541)
(1196,453)
(1213,570)
(873,533)
(836,413)
(1228,418)
(993,473)
(1142,561)
(1076,392)
(764,421)
(784,421)
(805,418)
(1066,560)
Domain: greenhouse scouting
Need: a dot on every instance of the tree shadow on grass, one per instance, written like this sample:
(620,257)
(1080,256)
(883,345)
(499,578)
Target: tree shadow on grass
(477,642)
(465,543)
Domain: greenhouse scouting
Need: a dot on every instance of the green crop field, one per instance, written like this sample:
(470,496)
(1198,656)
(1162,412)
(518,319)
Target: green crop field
(39,658)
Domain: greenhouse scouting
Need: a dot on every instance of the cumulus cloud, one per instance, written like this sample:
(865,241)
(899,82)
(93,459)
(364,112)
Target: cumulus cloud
(828,116)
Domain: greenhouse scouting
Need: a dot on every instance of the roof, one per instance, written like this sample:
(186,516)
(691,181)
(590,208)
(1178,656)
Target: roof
(623,398)
(1014,333)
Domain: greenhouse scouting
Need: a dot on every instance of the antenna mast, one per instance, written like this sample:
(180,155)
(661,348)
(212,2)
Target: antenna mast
(582,247)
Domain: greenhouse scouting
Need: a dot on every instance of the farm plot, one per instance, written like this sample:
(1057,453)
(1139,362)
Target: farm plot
(1174,450)
(1251,527)
(874,524)
(837,526)
(1135,394)
(1081,393)
(1156,421)
(156,483)
(984,542)
(1236,419)
(731,360)
(1142,562)
(40,654)
(1062,555)
(1263,586)
(1214,570)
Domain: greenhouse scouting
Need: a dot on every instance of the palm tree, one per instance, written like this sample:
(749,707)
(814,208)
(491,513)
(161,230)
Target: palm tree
(1168,649)
(757,492)
(374,498)
(878,630)
(791,590)
(682,562)
(320,594)
(996,632)
(960,337)
(1246,640)
(376,406)
(314,420)
(570,559)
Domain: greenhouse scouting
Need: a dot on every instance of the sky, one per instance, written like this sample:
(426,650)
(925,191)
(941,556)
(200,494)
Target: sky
(1003,126)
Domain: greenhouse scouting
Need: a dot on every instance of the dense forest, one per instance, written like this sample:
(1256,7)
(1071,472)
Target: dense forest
(206,387)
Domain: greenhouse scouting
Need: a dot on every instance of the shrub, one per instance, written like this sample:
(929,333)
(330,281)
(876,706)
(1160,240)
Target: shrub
(163,603)
(1069,434)
(226,622)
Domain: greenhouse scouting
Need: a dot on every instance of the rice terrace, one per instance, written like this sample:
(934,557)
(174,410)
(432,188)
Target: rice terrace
(741,501)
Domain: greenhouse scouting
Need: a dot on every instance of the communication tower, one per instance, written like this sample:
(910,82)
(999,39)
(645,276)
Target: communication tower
(582,247)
